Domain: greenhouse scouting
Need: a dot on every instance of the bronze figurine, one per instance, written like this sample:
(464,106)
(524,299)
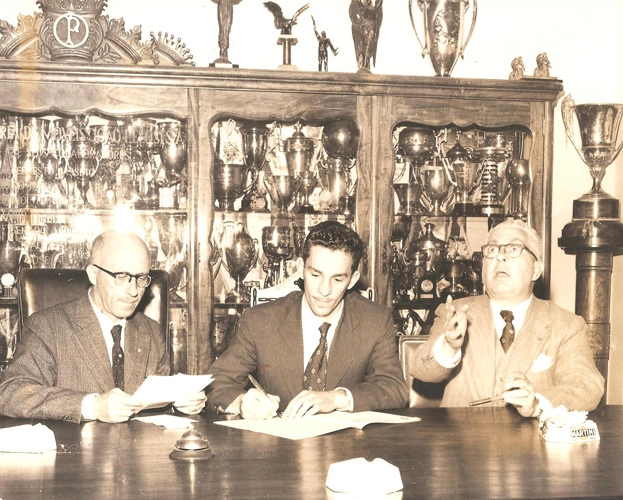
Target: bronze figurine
(542,66)
(281,23)
(324,43)
(366,18)
(518,69)
(225,13)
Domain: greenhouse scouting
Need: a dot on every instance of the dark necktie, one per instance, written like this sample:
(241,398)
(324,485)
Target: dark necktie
(117,356)
(315,376)
(508,334)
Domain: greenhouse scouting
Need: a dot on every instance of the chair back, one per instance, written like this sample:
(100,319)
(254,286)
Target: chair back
(39,289)
(421,394)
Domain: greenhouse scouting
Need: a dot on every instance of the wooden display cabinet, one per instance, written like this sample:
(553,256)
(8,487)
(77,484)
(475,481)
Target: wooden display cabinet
(124,78)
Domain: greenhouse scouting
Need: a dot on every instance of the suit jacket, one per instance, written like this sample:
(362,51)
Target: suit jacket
(63,357)
(269,339)
(551,348)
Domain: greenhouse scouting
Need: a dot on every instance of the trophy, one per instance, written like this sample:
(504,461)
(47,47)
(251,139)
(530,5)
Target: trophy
(438,189)
(444,25)
(465,173)
(29,145)
(427,255)
(416,145)
(518,191)
(278,245)
(229,183)
(496,150)
(282,189)
(83,166)
(10,253)
(599,131)
(171,235)
(107,145)
(254,146)
(239,257)
(299,151)
(340,139)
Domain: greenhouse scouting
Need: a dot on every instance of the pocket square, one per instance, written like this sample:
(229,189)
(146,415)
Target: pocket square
(542,363)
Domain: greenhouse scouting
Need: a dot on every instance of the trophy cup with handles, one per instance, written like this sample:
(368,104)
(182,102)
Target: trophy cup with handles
(444,27)
(599,145)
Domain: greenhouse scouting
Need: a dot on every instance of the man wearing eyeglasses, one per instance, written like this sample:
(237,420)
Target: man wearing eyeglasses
(65,367)
(508,346)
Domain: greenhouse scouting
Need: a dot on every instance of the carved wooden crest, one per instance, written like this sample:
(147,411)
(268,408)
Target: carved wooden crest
(76,31)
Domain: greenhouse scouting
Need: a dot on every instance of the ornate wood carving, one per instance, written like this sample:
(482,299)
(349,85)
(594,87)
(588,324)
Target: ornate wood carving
(76,31)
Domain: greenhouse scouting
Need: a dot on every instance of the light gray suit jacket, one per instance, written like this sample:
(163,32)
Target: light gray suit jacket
(363,355)
(551,348)
(63,357)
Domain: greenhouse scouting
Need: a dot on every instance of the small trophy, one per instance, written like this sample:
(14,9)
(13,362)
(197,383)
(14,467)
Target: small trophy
(599,129)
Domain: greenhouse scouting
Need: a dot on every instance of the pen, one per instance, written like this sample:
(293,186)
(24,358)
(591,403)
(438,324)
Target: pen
(257,385)
(486,400)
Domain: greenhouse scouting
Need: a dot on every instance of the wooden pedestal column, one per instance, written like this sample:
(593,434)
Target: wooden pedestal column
(594,244)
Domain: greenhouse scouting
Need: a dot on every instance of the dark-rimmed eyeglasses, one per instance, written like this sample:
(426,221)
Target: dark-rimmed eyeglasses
(122,278)
(511,250)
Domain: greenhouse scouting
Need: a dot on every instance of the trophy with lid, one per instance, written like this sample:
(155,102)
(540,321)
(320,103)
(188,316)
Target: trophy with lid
(254,148)
(340,140)
(416,145)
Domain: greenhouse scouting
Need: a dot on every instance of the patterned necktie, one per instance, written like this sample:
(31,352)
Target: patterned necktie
(117,356)
(508,334)
(315,376)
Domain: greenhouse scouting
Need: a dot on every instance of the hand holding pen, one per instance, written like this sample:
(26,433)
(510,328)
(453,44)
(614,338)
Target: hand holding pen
(518,391)
(257,404)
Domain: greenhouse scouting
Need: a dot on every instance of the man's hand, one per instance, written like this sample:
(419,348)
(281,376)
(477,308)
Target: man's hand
(114,406)
(191,405)
(455,325)
(312,402)
(256,406)
(519,392)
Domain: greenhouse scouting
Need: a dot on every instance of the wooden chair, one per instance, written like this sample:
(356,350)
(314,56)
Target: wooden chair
(421,394)
(42,288)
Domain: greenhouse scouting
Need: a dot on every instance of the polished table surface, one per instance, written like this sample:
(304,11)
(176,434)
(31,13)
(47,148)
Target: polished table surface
(451,453)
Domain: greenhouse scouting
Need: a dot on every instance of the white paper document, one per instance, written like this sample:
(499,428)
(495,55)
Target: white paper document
(27,439)
(316,425)
(167,421)
(157,391)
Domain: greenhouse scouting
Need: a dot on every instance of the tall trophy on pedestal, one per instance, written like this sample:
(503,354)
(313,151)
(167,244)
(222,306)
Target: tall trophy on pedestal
(278,245)
(599,133)
(299,152)
(240,256)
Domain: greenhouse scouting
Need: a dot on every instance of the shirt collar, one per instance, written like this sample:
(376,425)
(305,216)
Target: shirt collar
(105,322)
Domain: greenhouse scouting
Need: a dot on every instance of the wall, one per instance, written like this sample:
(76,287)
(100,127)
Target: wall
(583,40)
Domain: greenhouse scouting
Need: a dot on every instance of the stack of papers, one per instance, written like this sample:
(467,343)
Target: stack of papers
(27,439)
(317,425)
(157,391)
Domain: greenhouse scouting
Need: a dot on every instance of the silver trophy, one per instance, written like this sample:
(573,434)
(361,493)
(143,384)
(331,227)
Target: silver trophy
(254,148)
(599,146)
(444,27)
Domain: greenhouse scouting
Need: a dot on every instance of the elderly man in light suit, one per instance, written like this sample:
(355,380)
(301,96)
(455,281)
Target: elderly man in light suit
(541,359)
(63,368)
(278,339)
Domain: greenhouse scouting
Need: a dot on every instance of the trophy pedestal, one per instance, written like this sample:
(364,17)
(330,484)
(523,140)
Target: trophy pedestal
(489,210)
(596,206)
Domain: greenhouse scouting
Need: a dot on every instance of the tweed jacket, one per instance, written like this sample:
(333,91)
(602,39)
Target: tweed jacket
(551,349)
(63,357)
(269,341)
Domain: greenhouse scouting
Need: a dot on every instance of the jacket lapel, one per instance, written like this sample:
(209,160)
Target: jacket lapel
(482,337)
(136,350)
(89,342)
(289,339)
(344,341)
(536,327)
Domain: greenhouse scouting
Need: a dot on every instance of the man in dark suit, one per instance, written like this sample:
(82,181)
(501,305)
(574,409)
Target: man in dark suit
(358,367)
(508,343)
(64,369)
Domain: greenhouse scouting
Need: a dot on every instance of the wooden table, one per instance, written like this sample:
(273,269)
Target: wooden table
(451,453)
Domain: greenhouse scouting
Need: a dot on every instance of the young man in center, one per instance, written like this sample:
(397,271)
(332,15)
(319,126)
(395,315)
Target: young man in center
(315,351)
